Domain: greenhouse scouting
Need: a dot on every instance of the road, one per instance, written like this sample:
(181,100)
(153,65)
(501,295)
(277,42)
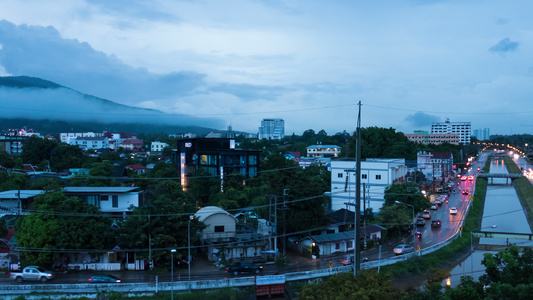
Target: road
(430,237)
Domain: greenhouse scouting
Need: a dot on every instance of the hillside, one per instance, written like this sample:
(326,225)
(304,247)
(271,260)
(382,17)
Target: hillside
(52,108)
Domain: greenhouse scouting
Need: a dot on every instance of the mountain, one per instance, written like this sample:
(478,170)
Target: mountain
(35,99)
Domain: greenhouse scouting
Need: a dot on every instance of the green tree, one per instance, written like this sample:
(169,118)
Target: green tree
(62,223)
(369,284)
(395,218)
(508,266)
(6,160)
(35,150)
(164,221)
(408,193)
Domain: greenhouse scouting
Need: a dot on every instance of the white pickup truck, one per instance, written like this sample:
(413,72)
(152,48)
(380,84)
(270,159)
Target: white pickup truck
(32,273)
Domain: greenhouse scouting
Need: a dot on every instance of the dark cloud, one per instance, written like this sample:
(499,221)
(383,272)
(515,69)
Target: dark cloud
(250,92)
(505,45)
(421,120)
(41,52)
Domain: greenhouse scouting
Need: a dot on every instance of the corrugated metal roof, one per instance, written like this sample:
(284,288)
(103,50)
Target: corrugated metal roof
(24,194)
(332,237)
(99,189)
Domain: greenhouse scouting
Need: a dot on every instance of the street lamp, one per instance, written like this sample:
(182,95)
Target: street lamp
(413,220)
(189,248)
(172,272)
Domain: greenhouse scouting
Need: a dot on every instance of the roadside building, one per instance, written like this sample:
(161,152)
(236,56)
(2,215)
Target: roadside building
(376,175)
(218,157)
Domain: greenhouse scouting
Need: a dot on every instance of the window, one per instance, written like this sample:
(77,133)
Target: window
(219,228)
(115,200)
(339,175)
(363,176)
(104,198)
(337,246)
(349,244)
(378,177)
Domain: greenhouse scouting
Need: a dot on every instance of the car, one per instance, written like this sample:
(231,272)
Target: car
(453,211)
(403,248)
(420,222)
(32,273)
(243,267)
(434,207)
(436,224)
(426,214)
(465,192)
(471,177)
(463,178)
(348,259)
(104,279)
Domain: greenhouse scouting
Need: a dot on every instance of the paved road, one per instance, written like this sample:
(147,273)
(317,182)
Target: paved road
(203,270)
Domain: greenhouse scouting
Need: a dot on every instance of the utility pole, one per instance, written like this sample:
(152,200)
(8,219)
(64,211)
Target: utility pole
(357,241)
(285,208)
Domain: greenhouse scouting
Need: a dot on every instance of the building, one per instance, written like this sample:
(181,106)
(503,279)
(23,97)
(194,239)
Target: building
(463,129)
(436,166)
(423,137)
(12,144)
(218,157)
(113,201)
(272,129)
(225,237)
(482,134)
(70,137)
(86,143)
(158,146)
(376,175)
(132,144)
(323,151)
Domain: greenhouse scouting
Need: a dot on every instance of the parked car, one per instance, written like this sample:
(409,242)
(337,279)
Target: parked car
(435,224)
(32,273)
(453,211)
(104,279)
(420,222)
(426,214)
(434,207)
(402,249)
(243,267)
(349,259)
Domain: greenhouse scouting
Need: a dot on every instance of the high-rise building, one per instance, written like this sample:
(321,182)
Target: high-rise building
(482,134)
(272,129)
(463,129)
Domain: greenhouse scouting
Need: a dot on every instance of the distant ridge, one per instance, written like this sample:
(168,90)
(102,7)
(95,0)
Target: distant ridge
(26,100)
(27,82)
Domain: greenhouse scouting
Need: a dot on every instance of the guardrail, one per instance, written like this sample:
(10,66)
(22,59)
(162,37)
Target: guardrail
(14,291)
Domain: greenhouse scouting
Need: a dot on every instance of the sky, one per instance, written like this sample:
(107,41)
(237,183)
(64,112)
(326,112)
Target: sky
(310,62)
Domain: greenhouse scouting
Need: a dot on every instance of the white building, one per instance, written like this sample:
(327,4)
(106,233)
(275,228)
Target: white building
(158,146)
(323,151)
(482,134)
(109,200)
(463,129)
(69,137)
(376,175)
(272,129)
(99,142)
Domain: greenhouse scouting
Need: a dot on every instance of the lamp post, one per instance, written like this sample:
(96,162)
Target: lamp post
(189,249)
(172,272)
(413,220)
(473,230)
